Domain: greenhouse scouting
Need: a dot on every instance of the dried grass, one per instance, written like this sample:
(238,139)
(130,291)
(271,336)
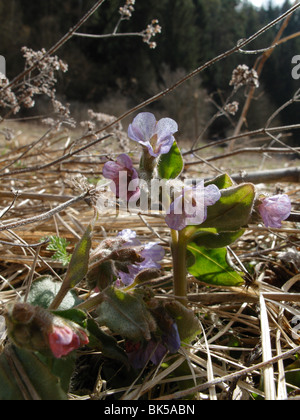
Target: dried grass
(247,341)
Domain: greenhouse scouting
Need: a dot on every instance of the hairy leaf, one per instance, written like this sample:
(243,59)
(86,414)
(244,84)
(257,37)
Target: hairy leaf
(107,344)
(222,182)
(44,290)
(187,323)
(126,314)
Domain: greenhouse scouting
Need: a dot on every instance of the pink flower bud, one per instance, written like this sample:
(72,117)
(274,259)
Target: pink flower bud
(125,182)
(63,340)
(274,210)
(37,329)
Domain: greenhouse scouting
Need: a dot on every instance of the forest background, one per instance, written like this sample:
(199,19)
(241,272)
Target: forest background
(110,75)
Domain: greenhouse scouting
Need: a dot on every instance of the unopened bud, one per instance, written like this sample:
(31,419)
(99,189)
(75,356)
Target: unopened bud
(36,329)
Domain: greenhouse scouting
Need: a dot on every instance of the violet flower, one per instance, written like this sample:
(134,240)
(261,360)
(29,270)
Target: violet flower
(274,210)
(156,136)
(151,252)
(124,176)
(190,208)
(153,350)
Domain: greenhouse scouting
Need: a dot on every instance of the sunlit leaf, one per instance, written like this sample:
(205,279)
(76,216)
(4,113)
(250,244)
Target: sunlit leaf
(213,240)
(170,165)
(222,182)
(211,266)
(78,266)
(233,210)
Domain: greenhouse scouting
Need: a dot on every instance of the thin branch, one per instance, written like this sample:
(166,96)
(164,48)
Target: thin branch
(200,69)
(257,150)
(44,216)
(56,46)
(112,35)
(259,65)
(56,161)
(261,131)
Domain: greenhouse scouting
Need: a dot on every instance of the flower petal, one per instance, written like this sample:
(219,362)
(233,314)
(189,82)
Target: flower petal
(142,128)
(125,161)
(212,194)
(153,251)
(111,170)
(274,210)
(172,339)
(165,128)
(62,340)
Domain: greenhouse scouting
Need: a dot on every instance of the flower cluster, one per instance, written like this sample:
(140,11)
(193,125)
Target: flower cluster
(153,29)
(243,76)
(40,82)
(7,97)
(155,349)
(140,353)
(122,259)
(63,339)
(126,10)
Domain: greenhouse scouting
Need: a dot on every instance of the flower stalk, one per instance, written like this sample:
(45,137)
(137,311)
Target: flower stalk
(178,248)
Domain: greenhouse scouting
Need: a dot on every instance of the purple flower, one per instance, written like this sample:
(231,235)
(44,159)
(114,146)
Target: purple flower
(274,210)
(190,208)
(156,136)
(151,252)
(153,350)
(124,176)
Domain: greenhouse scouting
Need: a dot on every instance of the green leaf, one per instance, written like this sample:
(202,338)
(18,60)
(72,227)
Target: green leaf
(170,165)
(59,246)
(214,240)
(126,314)
(75,315)
(233,210)
(78,266)
(107,344)
(23,376)
(187,323)
(211,266)
(222,182)
(61,368)
(44,290)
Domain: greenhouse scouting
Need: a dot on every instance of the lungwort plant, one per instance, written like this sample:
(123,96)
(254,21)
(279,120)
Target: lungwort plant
(121,317)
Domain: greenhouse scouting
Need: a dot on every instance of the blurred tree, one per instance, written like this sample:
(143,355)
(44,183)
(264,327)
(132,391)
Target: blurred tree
(193,31)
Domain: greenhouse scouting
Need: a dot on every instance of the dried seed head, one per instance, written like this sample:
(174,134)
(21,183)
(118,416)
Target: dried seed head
(243,76)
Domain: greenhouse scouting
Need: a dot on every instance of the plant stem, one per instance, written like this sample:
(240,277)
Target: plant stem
(179,266)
